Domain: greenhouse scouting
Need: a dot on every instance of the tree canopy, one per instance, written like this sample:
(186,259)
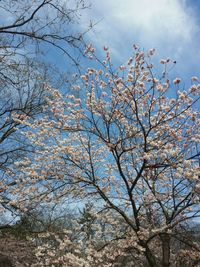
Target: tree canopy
(127,139)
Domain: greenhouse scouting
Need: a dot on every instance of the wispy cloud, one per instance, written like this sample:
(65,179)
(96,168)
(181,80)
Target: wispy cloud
(168,25)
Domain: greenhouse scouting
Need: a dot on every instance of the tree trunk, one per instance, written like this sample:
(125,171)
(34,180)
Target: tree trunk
(150,258)
(165,239)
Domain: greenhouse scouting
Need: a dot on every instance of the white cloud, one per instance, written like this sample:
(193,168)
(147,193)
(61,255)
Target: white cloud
(168,25)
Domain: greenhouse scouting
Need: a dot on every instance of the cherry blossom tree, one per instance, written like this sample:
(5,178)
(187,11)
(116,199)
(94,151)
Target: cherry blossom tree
(28,30)
(128,141)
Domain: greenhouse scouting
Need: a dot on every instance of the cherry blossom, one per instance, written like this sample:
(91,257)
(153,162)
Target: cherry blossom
(128,147)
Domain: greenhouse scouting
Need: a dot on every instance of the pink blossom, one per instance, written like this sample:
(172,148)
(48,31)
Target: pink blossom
(162,61)
(152,51)
(130,61)
(194,79)
(89,48)
(177,81)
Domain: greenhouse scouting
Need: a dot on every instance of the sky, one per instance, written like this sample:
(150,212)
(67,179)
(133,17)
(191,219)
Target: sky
(172,27)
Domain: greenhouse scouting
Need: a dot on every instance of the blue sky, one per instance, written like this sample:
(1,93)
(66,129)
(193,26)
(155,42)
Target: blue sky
(170,26)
